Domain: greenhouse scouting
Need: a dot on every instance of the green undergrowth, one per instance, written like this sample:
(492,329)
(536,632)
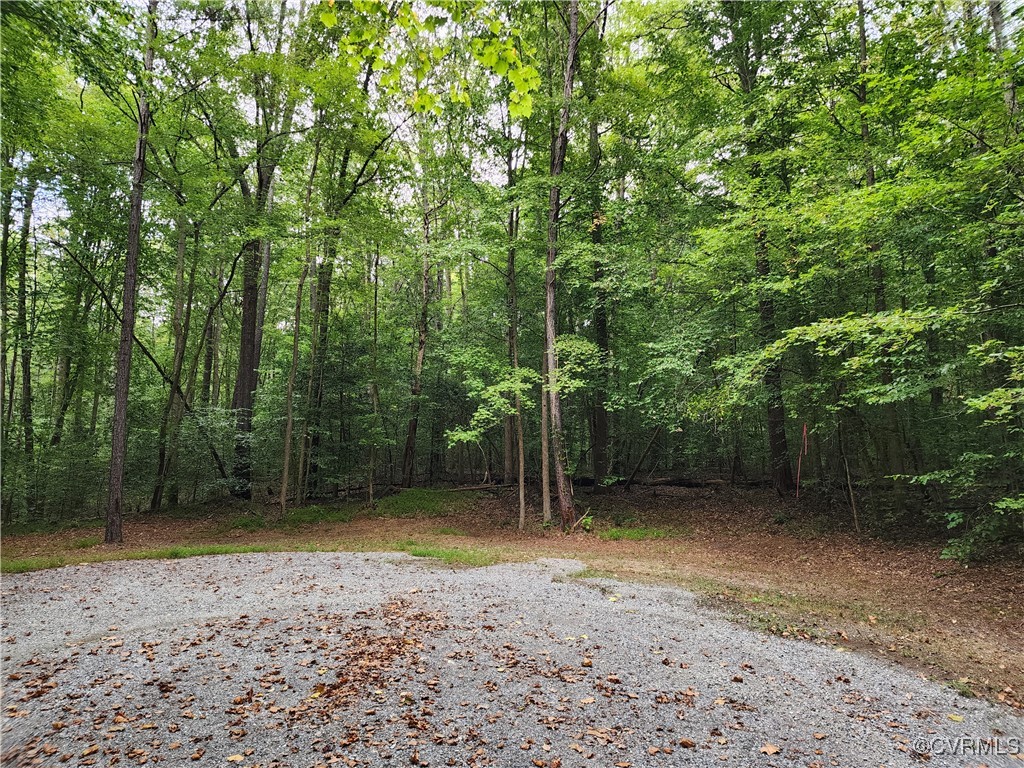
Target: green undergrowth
(49,526)
(426,502)
(292,520)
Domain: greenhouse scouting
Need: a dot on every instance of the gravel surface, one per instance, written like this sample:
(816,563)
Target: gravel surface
(382,659)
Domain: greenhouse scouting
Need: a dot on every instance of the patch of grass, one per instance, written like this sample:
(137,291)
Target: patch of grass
(451,555)
(425,502)
(247,523)
(640,533)
(87,542)
(317,514)
(449,531)
(961,687)
(198,550)
(26,564)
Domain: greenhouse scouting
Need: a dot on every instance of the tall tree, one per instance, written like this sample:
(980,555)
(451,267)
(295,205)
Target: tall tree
(559,147)
(122,377)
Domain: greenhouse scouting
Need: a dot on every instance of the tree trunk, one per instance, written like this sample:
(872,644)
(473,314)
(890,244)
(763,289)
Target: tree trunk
(545,448)
(374,389)
(245,381)
(566,507)
(122,379)
(894,458)
(24,332)
(6,205)
(409,455)
(321,333)
(289,396)
(778,445)
(180,322)
(296,330)
(261,297)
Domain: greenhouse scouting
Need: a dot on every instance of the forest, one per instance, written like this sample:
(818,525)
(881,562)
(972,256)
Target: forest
(299,250)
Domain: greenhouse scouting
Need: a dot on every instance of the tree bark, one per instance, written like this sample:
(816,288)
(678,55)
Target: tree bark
(778,445)
(409,454)
(545,446)
(261,297)
(566,507)
(122,379)
(24,330)
(180,322)
(6,205)
(245,381)
(599,414)
(296,330)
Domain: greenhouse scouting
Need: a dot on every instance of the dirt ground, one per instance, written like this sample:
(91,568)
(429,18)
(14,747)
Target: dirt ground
(764,561)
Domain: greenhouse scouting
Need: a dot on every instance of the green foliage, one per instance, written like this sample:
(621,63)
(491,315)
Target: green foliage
(759,231)
(425,502)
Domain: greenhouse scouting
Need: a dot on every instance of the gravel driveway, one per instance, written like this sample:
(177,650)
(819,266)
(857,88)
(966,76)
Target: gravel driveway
(382,659)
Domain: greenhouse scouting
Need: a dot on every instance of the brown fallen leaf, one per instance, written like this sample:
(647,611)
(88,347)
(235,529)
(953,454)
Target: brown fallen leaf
(92,749)
(235,758)
(770,749)
(653,750)
(588,700)
(687,743)
(588,662)
(820,736)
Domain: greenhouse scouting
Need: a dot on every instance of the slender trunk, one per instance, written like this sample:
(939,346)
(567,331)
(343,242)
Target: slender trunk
(599,413)
(778,445)
(24,330)
(122,379)
(643,458)
(374,390)
(509,431)
(6,205)
(322,335)
(302,461)
(409,455)
(289,397)
(261,297)
(180,322)
(296,330)
(997,17)
(893,446)
(545,449)
(513,349)
(558,152)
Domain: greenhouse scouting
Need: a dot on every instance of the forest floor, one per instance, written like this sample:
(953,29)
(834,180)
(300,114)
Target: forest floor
(769,564)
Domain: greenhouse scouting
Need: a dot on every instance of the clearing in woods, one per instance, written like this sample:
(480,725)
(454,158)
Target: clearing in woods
(762,560)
